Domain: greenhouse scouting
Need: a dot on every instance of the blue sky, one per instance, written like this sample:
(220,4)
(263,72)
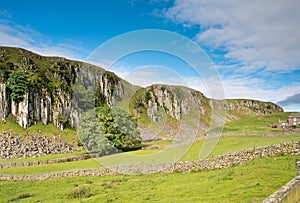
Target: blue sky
(254,45)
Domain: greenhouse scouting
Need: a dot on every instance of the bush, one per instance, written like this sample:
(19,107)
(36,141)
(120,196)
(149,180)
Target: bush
(82,192)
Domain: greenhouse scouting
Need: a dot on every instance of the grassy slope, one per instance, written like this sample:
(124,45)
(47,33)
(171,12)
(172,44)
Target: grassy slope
(232,144)
(251,182)
(255,123)
(225,145)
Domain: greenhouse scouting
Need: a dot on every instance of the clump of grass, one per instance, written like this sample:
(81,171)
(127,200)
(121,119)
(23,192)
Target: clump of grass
(82,192)
(89,182)
(228,175)
(21,196)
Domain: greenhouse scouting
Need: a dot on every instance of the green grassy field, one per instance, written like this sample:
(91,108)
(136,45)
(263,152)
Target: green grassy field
(225,145)
(261,123)
(251,182)
(231,144)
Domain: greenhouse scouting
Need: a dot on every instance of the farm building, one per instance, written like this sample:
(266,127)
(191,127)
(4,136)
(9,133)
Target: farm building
(293,120)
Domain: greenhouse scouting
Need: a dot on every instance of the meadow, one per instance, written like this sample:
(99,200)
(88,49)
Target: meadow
(250,182)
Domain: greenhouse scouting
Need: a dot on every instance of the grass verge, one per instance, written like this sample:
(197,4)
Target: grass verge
(251,182)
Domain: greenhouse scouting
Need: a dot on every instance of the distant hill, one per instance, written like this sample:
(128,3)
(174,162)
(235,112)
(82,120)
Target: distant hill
(57,90)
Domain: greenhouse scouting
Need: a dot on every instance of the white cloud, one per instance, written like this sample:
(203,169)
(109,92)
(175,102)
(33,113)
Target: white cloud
(257,33)
(12,34)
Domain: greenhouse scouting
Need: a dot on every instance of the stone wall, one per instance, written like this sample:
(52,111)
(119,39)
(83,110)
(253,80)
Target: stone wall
(220,162)
(42,162)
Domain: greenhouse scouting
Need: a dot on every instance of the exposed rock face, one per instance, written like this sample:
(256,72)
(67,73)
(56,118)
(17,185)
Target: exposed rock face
(4,104)
(56,103)
(259,107)
(176,101)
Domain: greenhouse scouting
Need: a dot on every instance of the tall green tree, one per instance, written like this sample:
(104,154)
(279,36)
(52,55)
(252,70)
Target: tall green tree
(18,84)
(119,128)
(90,134)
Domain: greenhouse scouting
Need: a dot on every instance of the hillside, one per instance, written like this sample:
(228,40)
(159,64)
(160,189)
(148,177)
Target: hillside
(54,90)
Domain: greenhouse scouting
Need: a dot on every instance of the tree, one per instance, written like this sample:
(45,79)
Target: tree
(119,128)
(83,97)
(18,84)
(4,71)
(90,134)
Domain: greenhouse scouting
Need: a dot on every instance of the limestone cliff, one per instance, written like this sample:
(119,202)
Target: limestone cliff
(60,89)
(50,96)
(245,107)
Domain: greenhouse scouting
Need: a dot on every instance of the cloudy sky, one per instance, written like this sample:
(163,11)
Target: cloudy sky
(255,45)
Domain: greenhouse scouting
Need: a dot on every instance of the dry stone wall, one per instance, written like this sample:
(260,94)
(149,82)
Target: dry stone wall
(220,162)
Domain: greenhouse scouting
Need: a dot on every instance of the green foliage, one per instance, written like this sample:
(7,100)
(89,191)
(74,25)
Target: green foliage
(105,130)
(18,84)
(119,128)
(85,97)
(61,118)
(42,73)
(82,192)
(147,96)
(4,71)
(100,98)
(113,80)
(90,134)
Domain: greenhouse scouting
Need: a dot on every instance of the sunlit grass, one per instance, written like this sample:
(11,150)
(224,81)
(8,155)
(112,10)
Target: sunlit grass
(251,182)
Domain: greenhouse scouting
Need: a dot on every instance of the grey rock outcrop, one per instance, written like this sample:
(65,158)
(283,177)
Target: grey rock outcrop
(54,97)
(46,107)
(259,107)
(4,104)
(176,101)
(13,146)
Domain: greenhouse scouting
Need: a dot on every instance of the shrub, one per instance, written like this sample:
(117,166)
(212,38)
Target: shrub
(82,192)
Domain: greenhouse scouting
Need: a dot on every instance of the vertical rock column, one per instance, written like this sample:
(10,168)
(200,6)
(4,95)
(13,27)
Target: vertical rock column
(4,102)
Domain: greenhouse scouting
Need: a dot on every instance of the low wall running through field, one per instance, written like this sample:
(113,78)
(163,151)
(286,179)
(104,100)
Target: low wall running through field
(220,162)
(41,162)
(289,192)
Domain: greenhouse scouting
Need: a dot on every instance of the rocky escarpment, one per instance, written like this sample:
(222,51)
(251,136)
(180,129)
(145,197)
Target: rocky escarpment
(13,146)
(50,97)
(175,101)
(58,90)
(190,109)
(257,107)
